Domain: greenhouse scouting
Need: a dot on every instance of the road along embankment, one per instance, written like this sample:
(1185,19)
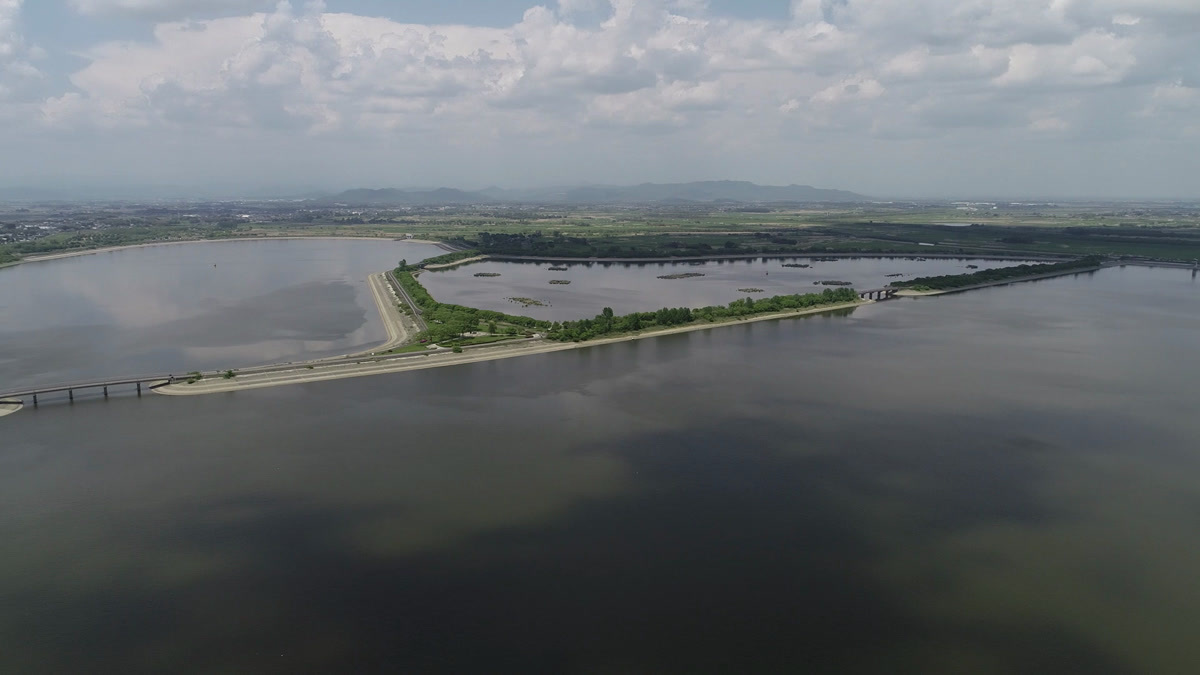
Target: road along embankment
(394,321)
(346,368)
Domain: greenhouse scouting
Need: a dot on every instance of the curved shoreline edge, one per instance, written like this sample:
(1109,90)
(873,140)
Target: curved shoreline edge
(518,258)
(290,237)
(318,372)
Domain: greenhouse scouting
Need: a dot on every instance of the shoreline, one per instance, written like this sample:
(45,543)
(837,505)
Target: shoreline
(777,256)
(125,247)
(456,263)
(908,293)
(10,407)
(317,372)
(393,320)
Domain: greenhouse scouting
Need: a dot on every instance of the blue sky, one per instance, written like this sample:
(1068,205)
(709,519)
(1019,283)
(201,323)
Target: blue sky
(920,98)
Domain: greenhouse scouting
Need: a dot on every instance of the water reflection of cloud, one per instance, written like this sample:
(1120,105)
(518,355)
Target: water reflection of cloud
(154,308)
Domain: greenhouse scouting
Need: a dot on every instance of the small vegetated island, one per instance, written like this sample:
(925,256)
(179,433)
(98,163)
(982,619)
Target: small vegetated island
(527,302)
(951,282)
(560,282)
(487,274)
(750,290)
(682,275)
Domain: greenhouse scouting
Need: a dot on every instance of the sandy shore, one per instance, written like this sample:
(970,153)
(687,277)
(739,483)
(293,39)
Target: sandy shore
(394,322)
(9,407)
(110,249)
(345,369)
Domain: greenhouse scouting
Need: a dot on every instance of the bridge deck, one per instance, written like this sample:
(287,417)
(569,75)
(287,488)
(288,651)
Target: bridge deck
(59,388)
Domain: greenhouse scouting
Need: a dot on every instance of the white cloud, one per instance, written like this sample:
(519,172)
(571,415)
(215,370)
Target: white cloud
(164,8)
(17,73)
(650,62)
(929,70)
(1048,123)
(858,88)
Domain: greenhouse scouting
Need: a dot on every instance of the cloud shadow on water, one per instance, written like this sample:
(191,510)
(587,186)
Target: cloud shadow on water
(734,552)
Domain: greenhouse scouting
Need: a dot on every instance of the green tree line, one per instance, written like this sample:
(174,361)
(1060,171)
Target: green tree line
(607,323)
(446,258)
(952,281)
(446,321)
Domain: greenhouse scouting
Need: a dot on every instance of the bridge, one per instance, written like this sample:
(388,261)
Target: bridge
(148,381)
(878,294)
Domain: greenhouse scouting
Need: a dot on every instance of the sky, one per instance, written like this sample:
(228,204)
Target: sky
(912,99)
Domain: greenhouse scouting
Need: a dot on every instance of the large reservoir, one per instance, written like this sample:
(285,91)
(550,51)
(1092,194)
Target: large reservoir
(1002,481)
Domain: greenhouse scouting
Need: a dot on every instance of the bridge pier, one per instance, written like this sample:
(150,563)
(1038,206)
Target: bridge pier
(35,400)
(139,385)
(71,395)
(106,391)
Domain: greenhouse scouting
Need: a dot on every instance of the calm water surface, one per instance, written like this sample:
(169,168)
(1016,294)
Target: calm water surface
(635,287)
(1002,481)
(188,307)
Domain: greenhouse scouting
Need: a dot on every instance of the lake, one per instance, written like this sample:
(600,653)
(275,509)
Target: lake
(195,306)
(636,287)
(999,481)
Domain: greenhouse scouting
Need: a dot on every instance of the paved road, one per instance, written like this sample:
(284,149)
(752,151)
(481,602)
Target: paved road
(416,311)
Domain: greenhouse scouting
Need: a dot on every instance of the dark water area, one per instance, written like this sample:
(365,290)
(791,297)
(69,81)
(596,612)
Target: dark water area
(1001,481)
(195,306)
(636,287)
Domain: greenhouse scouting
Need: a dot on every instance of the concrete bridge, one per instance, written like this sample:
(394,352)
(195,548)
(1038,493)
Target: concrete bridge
(137,383)
(878,294)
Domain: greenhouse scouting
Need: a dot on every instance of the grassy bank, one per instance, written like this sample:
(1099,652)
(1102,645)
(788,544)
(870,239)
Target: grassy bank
(448,322)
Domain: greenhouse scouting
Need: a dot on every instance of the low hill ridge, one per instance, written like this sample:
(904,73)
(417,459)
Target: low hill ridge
(728,191)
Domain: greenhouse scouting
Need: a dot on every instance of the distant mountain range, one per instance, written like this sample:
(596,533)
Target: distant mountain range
(647,193)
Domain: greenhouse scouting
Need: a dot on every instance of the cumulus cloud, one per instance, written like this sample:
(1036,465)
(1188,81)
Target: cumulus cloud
(160,9)
(17,72)
(575,70)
